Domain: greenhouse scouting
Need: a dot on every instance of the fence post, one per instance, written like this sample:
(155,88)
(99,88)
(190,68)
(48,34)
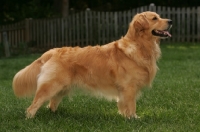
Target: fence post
(27,30)
(87,26)
(5,43)
(152,7)
(116,25)
(198,24)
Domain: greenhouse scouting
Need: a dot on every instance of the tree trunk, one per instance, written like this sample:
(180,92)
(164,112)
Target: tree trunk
(6,46)
(65,8)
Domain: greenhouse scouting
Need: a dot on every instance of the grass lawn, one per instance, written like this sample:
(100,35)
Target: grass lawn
(172,104)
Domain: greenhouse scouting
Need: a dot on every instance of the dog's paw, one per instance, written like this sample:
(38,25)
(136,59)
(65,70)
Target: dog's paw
(29,115)
(51,107)
(128,114)
(136,116)
(48,106)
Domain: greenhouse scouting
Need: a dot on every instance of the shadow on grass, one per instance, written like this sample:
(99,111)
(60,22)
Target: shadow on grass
(83,116)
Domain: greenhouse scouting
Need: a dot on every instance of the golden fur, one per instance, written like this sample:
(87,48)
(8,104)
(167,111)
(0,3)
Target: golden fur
(117,70)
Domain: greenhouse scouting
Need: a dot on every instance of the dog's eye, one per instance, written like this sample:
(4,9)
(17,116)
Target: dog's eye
(155,18)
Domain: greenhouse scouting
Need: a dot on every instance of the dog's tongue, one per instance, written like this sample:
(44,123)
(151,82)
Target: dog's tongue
(167,33)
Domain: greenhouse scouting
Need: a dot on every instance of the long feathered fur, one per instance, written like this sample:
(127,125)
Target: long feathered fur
(25,81)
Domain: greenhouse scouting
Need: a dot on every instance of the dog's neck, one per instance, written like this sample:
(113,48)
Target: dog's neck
(147,49)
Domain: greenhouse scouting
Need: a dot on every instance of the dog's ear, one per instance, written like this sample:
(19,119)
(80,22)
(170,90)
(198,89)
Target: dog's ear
(140,23)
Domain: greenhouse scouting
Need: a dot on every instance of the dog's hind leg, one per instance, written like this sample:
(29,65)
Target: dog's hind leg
(45,92)
(55,101)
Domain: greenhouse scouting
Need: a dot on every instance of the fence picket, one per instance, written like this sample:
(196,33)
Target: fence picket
(124,21)
(116,25)
(103,27)
(90,23)
(192,33)
(13,35)
(61,32)
(91,28)
(198,24)
(119,26)
(183,26)
(168,16)
(187,20)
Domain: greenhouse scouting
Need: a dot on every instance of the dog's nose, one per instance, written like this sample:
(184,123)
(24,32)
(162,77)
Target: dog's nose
(170,22)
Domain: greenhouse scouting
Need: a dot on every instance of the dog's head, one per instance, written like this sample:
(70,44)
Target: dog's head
(150,24)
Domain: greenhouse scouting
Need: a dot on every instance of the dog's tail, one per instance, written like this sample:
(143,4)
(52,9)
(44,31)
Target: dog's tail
(25,81)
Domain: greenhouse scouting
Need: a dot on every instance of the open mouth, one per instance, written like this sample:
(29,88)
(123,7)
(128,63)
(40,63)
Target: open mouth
(160,33)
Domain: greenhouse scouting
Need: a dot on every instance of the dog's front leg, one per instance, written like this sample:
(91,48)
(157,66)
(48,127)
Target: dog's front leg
(127,102)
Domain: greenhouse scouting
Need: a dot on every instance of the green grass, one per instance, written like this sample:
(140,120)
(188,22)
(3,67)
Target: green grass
(172,104)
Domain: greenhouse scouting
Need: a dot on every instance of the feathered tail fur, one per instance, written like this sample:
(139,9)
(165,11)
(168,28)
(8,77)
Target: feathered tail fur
(25,81)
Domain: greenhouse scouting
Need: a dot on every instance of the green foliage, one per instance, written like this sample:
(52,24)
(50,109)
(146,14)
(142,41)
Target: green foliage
(172,104)
(13,11)
(17,10)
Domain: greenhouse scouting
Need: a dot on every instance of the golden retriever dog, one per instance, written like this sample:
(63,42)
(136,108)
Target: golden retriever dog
(117,70)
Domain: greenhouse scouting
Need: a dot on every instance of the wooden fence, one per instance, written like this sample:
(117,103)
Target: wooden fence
(91,28)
